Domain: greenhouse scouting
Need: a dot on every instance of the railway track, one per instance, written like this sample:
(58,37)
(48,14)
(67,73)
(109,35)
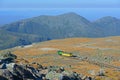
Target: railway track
(97,63)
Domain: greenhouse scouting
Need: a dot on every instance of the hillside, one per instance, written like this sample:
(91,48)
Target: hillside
(89,50)
(11,39)
(61,26)
(109,25)
(58,27)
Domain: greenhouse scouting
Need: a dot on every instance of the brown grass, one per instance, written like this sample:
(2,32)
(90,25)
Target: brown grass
(78,46)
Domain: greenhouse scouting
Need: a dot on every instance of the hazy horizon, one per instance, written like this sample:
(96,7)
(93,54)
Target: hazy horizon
(12,10)
(92,14)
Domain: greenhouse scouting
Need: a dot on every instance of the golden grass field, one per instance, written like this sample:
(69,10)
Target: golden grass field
(45,53)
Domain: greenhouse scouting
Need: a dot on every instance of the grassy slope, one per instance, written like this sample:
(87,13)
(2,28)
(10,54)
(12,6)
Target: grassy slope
(45,53)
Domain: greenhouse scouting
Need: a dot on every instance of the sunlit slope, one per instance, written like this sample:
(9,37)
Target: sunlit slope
(91,48)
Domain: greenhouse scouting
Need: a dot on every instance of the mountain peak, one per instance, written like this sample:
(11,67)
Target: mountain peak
(70,14)
(74,16)
(108,18)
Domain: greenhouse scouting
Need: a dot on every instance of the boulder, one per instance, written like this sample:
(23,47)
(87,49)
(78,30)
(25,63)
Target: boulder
(21,72)
(7,57)
(7,74)
(3,66)
(52,75)
(101,72)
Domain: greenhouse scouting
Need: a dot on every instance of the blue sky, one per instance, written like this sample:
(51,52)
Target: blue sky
(59,3)
(13,10)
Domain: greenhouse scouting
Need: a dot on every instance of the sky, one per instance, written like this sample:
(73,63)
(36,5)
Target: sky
(59,3)
(13,10)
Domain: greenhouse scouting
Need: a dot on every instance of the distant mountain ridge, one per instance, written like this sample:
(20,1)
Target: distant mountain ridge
(57,27)
(109,25)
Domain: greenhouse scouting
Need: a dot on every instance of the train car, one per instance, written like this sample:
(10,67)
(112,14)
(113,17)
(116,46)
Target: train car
(62,53)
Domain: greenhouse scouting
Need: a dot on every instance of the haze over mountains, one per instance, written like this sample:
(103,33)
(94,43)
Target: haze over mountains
(67,25)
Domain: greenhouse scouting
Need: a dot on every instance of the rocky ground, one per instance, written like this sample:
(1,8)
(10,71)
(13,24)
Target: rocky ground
(97,58)
(11,70)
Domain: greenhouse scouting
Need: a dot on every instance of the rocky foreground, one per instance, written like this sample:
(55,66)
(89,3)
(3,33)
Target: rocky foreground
(11,70)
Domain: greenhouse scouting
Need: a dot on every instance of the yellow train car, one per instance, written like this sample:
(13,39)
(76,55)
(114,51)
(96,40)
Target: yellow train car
(65,54)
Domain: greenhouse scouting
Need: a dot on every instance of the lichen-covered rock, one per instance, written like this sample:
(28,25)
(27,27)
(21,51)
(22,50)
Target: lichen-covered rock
(19,72)
(7,56)
(3,78)
(52,75)
(101,72)
(7,74)
(3,66)
(9,70)
(59,73)
(10,66)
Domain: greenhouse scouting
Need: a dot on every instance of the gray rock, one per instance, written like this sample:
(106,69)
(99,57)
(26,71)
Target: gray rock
(3,66)
(52,75)
(10,66)
(7,57)
(101,72)
(7,74)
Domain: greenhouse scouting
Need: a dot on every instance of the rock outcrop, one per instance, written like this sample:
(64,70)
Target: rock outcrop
(9,70)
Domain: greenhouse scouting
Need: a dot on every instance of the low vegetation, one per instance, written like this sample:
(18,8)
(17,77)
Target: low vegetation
(96,58)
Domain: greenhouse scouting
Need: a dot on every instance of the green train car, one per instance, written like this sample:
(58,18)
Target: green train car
(62,53)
